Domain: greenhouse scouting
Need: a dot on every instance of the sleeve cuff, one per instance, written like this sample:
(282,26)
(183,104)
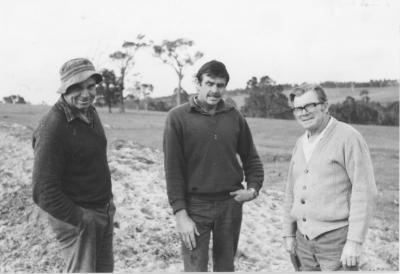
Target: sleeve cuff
(289,229)
(355,239)
(178,205)
(256,186)
(356,234)
(358,242)
(285,234)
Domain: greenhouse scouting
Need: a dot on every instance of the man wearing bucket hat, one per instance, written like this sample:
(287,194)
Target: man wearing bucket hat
(71,177)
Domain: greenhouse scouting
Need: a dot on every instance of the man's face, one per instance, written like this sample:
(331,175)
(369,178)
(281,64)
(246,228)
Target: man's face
(312,119)
(210,89)
(81,95)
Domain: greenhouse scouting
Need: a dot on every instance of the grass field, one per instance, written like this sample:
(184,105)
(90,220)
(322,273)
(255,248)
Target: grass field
(337,95)
(274,140)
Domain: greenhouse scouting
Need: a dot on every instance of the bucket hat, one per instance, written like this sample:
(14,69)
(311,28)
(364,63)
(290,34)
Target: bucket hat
(76,71)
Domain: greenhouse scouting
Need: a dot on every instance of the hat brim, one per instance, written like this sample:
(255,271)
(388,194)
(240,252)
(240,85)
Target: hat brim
(79,78)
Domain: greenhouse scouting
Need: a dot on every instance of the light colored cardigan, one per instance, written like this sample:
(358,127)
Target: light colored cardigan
(334,189)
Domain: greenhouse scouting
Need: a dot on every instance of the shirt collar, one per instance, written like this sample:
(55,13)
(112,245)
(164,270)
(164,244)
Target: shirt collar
(319,137)
(222,106)
(72,113)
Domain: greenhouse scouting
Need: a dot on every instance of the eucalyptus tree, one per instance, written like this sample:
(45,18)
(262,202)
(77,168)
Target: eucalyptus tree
(178,54)
(126,59)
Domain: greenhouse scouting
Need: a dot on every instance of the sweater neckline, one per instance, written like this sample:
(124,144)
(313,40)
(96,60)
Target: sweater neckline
(327,135)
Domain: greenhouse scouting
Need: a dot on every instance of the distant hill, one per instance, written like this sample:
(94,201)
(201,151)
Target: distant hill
(381,95)
(337,95)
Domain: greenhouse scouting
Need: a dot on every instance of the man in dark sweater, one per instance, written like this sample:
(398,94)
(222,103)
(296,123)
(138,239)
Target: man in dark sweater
(71,177)
(202,139)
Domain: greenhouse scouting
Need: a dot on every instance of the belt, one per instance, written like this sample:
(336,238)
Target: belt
(221,196)
(97,206)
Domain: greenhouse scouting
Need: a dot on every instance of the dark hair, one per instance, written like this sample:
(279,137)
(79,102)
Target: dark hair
(213,69)
(300,90)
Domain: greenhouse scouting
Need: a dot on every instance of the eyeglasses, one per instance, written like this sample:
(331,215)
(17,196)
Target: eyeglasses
(308,108)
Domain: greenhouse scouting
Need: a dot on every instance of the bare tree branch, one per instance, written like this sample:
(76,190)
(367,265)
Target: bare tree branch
(176,53)
(126,59)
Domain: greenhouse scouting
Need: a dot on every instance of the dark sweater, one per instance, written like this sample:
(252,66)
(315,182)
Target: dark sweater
(70,165)
(201,150)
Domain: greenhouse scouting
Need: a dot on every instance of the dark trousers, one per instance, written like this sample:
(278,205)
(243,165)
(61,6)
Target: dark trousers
(223,219)
(88,248)
(324,252)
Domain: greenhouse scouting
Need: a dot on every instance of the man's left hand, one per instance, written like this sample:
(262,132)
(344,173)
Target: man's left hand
(351,253)
(242,195)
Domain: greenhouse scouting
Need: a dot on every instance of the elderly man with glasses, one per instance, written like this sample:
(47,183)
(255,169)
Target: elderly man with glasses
(330,189)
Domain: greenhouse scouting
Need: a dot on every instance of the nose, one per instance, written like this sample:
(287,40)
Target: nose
(85,92)
(302,111)
(215,90)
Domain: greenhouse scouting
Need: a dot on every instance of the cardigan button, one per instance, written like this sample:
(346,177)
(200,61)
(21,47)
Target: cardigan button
(303,201)
(304,219)
(306,170)
(304,187)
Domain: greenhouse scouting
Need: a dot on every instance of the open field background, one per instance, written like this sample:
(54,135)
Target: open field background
(338,95)
(145,238)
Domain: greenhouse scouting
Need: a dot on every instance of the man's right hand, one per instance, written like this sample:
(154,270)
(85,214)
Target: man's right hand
(289,244)
(186,229)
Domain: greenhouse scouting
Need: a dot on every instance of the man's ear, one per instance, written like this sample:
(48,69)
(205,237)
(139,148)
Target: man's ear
(197,83)
(326,107)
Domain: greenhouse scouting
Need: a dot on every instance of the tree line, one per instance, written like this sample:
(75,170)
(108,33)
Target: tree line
(14,99)
(364,111)
(266,100)
(371,84)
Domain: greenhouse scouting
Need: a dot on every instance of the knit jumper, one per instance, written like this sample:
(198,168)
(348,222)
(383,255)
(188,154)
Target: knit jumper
(334,189)
(201,151)
(70,165)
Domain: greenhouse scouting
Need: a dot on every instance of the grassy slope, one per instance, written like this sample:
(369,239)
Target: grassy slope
(383,95)
(274,139)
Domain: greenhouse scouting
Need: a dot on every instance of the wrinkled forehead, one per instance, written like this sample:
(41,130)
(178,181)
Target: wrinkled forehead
(213,79)
(88,82)
(307,97)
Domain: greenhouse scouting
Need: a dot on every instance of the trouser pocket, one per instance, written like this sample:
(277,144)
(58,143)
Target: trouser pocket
(63,230)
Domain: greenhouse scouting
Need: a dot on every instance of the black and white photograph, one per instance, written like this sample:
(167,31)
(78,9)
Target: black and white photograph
(199,136)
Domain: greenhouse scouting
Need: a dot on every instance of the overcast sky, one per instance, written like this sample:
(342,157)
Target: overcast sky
(292,41)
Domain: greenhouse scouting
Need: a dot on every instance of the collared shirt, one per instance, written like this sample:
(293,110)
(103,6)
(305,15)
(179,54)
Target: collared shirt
(195,101)
(334,189)
(201,151)
(309,146)
(74,113)
(70,164)
(221,106)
